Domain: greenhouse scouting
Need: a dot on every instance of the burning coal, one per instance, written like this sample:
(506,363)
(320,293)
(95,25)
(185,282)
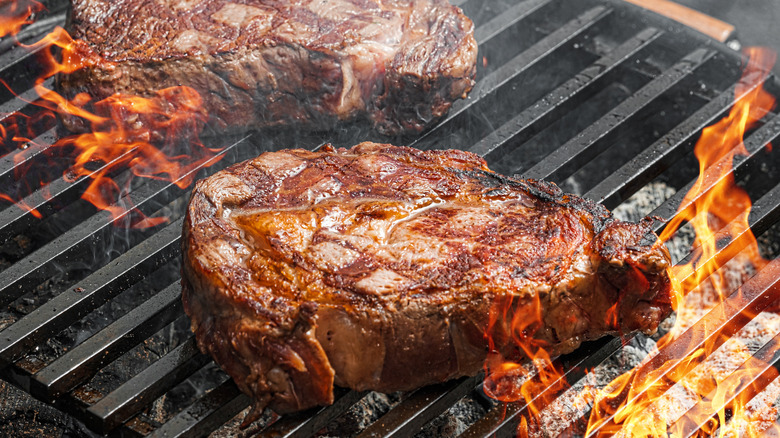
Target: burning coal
(717,209)
(689,382)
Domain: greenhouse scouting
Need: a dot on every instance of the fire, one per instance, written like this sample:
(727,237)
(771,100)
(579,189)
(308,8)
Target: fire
(15,14)
(709,387)
(715,194)
(642,401)
(541,381)
(152,136)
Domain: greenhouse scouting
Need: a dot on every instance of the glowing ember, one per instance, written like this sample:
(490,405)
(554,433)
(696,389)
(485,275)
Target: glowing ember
(698,388)
(708,384)
(154,136)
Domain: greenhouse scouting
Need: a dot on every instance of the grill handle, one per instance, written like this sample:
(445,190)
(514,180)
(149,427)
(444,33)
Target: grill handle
(710,26)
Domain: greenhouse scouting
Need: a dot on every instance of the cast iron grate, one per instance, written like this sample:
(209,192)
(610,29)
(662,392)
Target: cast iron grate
(596,95)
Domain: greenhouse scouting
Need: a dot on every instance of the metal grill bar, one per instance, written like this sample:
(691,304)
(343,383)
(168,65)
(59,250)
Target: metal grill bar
(32,32)
(420,407)
(586,145)
(753,144)
(764,213)
(517,65)
(721,322)
(36,267)
(45,199)
(18,63)
(308,423)
(21,277)
(215,408)
(30,152)
(536,116)
(502,420)
(747,381)
(127,400)
(21,103)
(82,362)
(504,21)
(70,305)
(661,154)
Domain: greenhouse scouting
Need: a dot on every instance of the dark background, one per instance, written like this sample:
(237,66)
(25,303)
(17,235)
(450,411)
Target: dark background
(757,21)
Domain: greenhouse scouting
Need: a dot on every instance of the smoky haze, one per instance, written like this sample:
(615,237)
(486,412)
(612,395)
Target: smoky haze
(756,21)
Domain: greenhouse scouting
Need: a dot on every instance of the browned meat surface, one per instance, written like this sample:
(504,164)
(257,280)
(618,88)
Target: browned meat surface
(259,63)
(376,267)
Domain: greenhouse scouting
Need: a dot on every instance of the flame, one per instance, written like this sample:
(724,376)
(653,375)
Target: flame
(15,14)
(640,402)
(153,136)
(706,386)
(715,194)
(514,322)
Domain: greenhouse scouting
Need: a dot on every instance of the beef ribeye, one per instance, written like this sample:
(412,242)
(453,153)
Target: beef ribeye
(259,63)
(376,268)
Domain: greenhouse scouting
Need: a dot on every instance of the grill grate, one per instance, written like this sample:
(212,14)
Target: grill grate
(596,95)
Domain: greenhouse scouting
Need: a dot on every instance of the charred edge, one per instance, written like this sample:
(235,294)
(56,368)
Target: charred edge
(548,192)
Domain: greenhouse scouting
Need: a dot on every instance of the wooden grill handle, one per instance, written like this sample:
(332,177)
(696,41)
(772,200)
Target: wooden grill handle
(710,26)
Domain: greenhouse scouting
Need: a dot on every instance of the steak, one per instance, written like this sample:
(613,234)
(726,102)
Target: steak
(375,268)
(261,63)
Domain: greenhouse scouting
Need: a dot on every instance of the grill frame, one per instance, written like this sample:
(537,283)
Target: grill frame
(55,382)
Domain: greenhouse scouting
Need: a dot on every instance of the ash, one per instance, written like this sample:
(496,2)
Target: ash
(369,409)
(455,420)
(361,415)
(568,415)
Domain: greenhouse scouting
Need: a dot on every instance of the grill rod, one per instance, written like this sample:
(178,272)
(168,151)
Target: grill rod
(748,381)
(512,69)
(496,88)
(727,318)
(585,146)
(537,116)
(764,213)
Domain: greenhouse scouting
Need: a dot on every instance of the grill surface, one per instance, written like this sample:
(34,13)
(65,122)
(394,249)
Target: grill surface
(596,95)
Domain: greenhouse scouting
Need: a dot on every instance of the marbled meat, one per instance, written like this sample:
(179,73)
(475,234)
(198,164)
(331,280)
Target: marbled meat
(375,268)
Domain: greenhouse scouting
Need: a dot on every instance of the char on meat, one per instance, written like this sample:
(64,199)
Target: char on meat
(260,63)
(375,268)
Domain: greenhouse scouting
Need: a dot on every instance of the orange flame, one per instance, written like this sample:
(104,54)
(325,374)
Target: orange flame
(154,137)
(14,14)
(640,402)
(513,322)
(645,401)
(714,194)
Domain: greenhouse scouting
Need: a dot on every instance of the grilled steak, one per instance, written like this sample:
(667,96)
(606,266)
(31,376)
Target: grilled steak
(259,63)
(376,268)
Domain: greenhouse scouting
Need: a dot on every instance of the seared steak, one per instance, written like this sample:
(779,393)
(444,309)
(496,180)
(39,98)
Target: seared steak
(259,63)
(376,268)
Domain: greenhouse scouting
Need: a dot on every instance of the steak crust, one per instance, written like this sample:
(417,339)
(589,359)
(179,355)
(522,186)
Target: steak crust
(376,268)
(260,63)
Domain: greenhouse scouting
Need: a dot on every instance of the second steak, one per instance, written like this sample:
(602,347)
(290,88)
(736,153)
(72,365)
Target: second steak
(260,63)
